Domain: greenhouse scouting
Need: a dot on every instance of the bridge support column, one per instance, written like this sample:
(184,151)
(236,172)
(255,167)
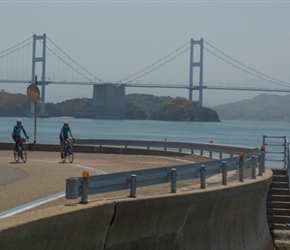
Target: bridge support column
(42,60)
(109,101)
(198,64)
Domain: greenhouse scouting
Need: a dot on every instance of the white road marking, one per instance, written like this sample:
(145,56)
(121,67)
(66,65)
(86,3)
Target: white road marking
(47,199)
(30,205)
(44,200)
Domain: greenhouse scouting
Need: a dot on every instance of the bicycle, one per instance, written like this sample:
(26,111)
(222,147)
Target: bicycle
(68,151)
(20,151)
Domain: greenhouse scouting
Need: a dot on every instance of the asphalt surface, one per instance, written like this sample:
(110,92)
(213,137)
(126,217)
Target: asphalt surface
(40,182)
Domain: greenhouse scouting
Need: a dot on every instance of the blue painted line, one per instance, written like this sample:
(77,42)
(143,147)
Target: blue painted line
(28,205)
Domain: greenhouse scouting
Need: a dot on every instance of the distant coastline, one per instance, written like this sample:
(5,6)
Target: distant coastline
(68,117)
(137,107)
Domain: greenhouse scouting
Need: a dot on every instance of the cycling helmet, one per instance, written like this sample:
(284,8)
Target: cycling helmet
(19,121)
(65,123)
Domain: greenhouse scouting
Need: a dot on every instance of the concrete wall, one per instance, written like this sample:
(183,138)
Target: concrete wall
(221,217)
(109,101)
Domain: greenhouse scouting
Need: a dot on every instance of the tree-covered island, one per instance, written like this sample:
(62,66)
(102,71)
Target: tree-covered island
(137,106)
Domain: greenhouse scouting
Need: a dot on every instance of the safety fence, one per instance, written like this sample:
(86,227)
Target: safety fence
(277,149)
(241,157)
(206,149)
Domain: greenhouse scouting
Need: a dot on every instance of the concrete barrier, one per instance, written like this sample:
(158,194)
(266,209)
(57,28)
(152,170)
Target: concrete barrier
(67,227)
(220,217)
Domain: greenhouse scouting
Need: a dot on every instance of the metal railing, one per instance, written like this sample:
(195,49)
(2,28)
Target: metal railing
(274,147)
(170,145)
(270,142)
(88,185)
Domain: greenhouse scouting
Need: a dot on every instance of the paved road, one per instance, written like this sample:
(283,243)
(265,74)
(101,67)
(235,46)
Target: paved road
(44,175)
(27,185)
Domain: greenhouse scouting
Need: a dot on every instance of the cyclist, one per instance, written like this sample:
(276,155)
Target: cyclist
(63,136)
(16,134)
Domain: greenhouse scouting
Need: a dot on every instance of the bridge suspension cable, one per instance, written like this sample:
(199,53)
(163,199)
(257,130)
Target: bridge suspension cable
(16,47)
(157,62)
(73,62)
(246,69)
(13,58)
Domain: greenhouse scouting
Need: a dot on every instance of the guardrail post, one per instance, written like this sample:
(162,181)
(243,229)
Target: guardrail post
(165,140)
(263,161)
(133,186)
(84,188)
(72,188)
(202,176)
(263,151)
(173,180)
(241,167)
(254,166)
(260,165)
(224,172)
(210,152)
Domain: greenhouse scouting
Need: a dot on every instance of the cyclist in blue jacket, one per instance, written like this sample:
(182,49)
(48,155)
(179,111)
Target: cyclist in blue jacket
(63,136)
(16,133)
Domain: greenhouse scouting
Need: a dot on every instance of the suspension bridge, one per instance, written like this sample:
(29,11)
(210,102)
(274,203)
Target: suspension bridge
(195,66)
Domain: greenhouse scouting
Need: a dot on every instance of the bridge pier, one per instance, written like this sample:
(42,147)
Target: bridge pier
(109,101)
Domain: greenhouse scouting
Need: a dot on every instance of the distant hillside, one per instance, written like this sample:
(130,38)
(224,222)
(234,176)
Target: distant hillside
(265,107)
(138,107)
(144,103)
(13,104)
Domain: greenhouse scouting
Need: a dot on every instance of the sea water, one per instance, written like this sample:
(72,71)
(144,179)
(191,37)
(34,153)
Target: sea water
(237,133)
(240,133)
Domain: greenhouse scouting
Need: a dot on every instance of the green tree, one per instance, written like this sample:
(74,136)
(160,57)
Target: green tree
(134,112)
(13,104)
(145,102)
(181,109)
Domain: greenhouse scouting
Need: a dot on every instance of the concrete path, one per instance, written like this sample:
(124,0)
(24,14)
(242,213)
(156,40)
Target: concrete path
(41,180)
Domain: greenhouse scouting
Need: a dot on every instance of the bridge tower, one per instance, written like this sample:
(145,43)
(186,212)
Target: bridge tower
(42,60)
(198,64)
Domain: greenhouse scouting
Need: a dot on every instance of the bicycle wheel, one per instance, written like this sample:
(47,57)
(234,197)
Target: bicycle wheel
(23,154)
(70,155)
(63,156)
(16,156)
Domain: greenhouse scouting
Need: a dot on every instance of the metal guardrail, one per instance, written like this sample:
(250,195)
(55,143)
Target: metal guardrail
(88,185)
(170,145)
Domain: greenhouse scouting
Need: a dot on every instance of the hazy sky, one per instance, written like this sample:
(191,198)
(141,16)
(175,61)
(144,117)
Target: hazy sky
(113,39)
